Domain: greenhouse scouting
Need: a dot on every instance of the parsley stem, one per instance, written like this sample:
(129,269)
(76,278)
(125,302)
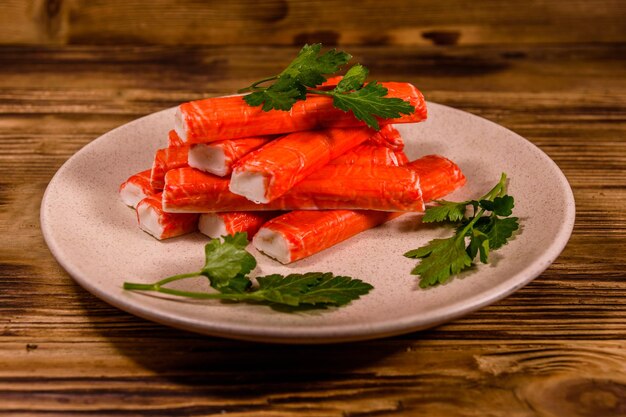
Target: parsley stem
(177,277)
(322,92)
(498,190)
(193,294)
(203,295)
(470,225)
(255,86)
(155,286)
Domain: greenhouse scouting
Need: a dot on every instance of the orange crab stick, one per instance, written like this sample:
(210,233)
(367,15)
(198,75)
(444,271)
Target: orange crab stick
(371,155)
(219,157)
(164,160)
(357,186)
(301,233)
(385,188)
(269,172)
(298,234)
(439,176)
(136,188)
(388,136)
(231,117)
(173,140)
(153,220)
(215,225)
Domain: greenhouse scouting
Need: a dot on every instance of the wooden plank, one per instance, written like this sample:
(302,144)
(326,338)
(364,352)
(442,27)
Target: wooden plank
(202,377)
(31,21)
(203,71)
(282,22)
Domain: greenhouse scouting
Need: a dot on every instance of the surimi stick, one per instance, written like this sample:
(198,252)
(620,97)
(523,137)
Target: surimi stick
(153,220)
(386,188)
(231,117)
(136,188)
(357,186)
(371,155)
(269,172)
(173,140)
(164,160)
(298,234)
(215,225)
(301,233)
(388,136)
(218,157)
(439,176)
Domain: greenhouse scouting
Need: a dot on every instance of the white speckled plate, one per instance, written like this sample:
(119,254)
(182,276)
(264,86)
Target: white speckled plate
(94,236)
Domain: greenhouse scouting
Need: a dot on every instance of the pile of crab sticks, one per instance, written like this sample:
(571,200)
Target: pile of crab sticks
(296,181)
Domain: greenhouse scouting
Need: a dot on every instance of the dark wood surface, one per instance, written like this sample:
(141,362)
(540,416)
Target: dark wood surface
(557,347)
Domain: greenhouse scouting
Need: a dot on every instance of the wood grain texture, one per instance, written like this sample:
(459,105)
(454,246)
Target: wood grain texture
(294,22)
(554,348)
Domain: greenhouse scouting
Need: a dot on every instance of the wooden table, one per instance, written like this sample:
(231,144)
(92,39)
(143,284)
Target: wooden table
(554,348)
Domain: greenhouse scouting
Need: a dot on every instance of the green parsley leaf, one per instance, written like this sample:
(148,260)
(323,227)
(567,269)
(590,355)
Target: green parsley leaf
(309,67)
(226,259)
(441,258)
(335,290)
(445,211)
(370,102)
(279,96)
(236,285)
(502,206)
(285,290)
(499,230)
(479,243)
(353,80)
(312,288)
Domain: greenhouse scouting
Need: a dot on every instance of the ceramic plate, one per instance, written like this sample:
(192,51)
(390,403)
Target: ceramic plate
(95,237)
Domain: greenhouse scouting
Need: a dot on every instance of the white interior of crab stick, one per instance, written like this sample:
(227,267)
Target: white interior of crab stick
(273,244)
(212,225)
(207,158)
(149,220)
(251,185)
(179,127)
(131,194)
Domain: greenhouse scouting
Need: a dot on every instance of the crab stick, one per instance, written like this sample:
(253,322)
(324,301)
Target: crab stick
(269,172)
(388,136)
(386,188)
(220,118)
(301,233)
(164,160)
(298,234)
(219,157)
(136,188)
(153,220)
(439,176)
(371,155)
(173,140)
(215,225)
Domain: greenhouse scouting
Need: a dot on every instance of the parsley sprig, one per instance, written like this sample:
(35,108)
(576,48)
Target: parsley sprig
(488,229)
(227,265)
(309,69)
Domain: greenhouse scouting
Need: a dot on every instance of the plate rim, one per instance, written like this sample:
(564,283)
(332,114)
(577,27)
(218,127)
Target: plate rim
(336,333)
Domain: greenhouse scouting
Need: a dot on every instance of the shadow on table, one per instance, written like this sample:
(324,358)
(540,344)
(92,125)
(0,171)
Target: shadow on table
(237,369)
